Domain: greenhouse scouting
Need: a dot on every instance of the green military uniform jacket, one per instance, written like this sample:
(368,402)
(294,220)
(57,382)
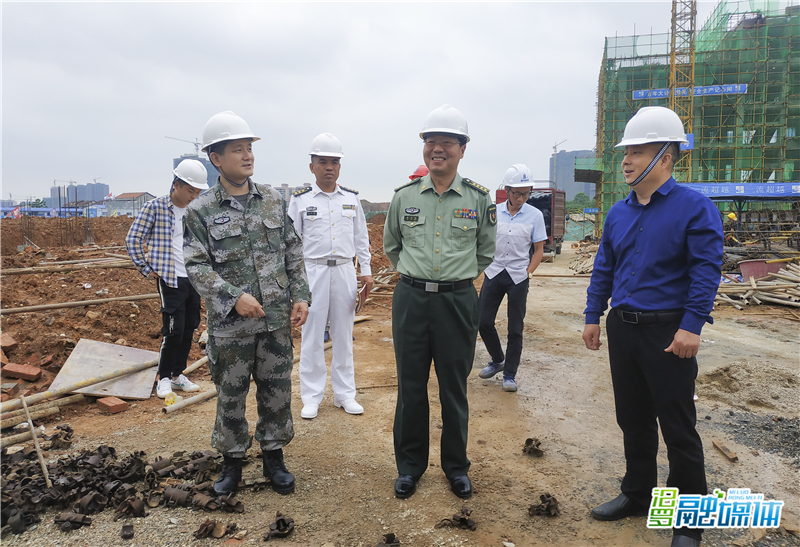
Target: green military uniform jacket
(229,250)
(447,237)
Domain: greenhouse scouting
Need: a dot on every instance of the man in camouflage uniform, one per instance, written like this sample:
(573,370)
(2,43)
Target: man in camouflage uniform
(245,259)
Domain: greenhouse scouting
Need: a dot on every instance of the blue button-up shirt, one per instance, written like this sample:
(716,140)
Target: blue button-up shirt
(665,255)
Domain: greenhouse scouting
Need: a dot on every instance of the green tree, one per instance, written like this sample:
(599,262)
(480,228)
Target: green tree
(578,203)
(581,198)
(39,203)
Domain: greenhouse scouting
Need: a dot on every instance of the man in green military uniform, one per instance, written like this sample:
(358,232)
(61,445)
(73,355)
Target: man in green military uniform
(245,258)
(440,235)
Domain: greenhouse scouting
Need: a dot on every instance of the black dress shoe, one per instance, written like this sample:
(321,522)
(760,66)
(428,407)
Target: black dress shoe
(619,508)
(405,486)
(461,486)
(684,541)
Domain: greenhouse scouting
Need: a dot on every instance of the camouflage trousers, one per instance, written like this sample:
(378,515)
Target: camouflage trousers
(267,357)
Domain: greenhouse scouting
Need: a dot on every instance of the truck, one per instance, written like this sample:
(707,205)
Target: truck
(553,205)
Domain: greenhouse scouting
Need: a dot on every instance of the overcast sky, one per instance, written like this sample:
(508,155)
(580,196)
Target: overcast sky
(90,90)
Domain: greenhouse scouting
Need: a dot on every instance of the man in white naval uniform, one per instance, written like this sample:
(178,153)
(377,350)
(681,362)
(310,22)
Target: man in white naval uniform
(331,221)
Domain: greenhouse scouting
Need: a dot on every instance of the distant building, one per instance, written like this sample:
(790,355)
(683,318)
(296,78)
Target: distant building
(42,211)
(55,193)
(92,192)
(8,203)
(127,204)
(286,191)
(565,172)
(212,171)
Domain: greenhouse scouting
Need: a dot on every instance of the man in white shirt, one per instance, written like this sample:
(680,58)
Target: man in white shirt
(331,222)
(519,226)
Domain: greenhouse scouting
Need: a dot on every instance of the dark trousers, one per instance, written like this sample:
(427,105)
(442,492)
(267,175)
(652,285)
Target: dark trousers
(649,385)
(492,294)
(442,327)
(180,315)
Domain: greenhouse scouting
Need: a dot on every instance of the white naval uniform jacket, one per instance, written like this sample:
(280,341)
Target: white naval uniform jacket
(332,226)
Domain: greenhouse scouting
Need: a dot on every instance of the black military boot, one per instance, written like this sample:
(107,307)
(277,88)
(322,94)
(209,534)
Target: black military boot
(229,478)
(280,479)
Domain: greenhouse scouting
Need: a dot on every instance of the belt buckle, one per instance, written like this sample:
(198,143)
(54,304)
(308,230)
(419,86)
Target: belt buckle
(331,262)
(431,287)
(627,314)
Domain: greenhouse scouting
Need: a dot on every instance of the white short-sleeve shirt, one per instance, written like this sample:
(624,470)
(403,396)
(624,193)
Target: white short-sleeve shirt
(515,235)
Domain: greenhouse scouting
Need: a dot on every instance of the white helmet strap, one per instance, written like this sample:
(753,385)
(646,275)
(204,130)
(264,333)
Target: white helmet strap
(653,163)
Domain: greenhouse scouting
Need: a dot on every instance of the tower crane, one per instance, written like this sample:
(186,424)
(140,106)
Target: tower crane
(197,145)
(681,75)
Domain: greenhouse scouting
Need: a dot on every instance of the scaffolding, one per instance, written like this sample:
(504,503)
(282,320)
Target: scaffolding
(744,113)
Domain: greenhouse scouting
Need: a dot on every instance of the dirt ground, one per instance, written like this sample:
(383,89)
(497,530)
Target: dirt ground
(344,465)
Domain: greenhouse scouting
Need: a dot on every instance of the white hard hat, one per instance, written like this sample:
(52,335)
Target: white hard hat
(193,173)
(325,144)
(653,124)
(226,126)
(518,176)
(446,119)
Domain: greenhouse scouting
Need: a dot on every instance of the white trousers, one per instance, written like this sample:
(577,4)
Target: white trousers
(333,295)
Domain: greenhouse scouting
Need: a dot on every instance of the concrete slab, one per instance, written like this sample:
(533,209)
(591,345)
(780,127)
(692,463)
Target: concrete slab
(91,358)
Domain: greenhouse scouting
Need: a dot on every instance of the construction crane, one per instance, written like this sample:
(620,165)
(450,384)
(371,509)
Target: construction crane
(555,161)
(197,145)
(681,75)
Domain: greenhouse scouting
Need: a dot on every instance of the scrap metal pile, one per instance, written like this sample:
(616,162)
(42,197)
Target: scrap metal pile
(89,482)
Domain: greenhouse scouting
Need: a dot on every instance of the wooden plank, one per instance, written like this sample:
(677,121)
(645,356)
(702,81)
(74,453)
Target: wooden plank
(91,358)
(725,450)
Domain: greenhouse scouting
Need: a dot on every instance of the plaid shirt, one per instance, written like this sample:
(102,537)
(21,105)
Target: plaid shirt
(154,224)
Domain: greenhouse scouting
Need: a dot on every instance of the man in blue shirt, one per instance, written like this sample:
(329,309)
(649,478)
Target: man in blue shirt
(519,225)
(659,261)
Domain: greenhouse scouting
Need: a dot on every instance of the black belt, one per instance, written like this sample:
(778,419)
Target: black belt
(435,286)
(646,317)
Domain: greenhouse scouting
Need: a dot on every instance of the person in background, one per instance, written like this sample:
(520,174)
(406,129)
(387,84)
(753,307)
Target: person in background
(420,172)
(519,226)
(331,222)
(159,224)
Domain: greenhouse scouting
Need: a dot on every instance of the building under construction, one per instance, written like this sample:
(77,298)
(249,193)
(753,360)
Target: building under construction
(735,83)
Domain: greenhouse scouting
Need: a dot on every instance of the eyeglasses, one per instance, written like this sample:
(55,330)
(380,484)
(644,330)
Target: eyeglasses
(520,194)
(445,143)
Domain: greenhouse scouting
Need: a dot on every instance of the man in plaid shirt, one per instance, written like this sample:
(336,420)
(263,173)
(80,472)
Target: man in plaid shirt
(160,224)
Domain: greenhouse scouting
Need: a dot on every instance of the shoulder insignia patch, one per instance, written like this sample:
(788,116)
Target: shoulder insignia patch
(478,187)
(302,191)
(409,183)
(492,210)
(348,189)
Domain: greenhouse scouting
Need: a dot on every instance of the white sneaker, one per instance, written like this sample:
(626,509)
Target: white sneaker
(164,387)
(350,406)
(184,384)
(309,411)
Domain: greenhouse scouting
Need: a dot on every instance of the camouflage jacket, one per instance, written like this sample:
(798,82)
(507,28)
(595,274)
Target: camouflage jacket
(229,250)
